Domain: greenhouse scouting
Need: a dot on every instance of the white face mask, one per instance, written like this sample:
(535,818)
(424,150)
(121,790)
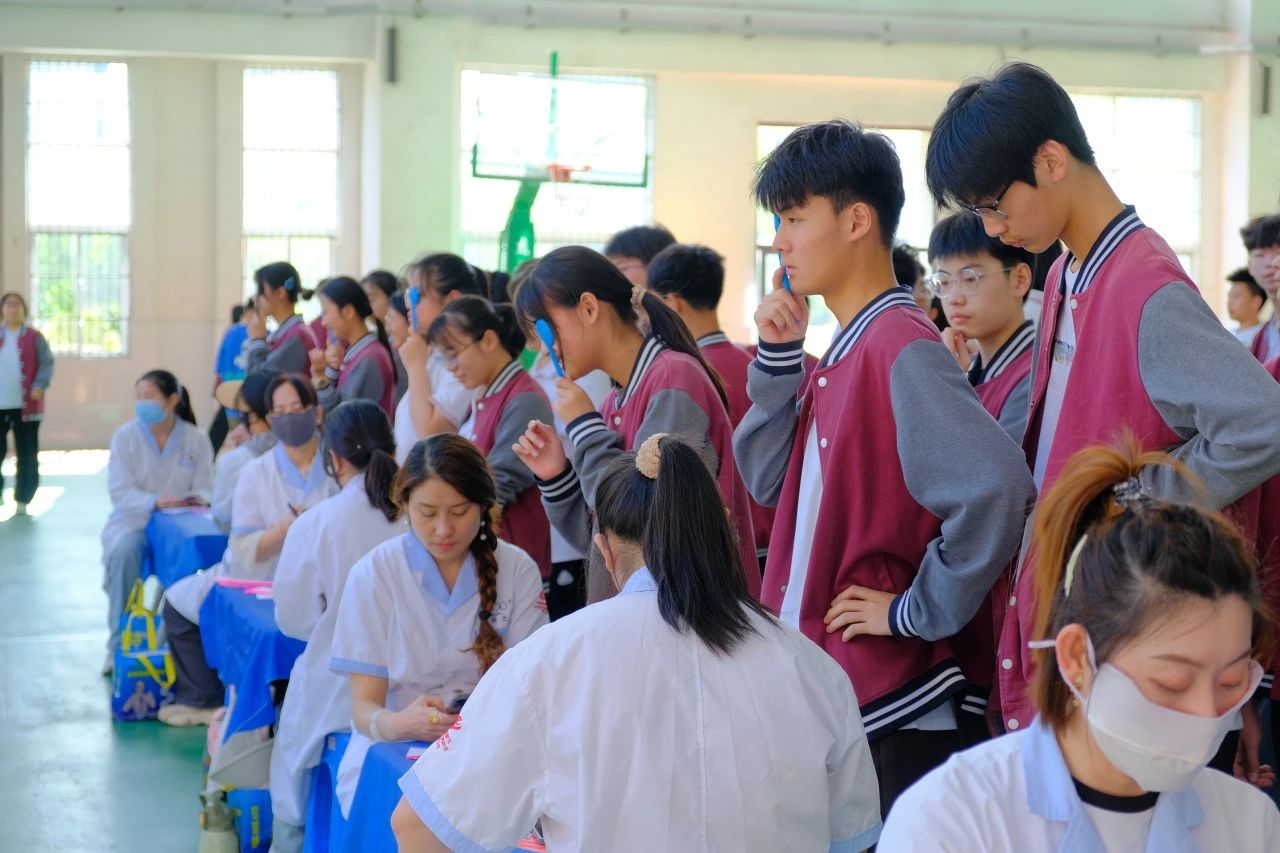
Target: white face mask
(1157,747)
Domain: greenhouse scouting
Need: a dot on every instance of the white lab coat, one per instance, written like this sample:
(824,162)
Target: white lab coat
(400,622)
(319,551)
(266,488)
(226,473)
(1014,794)
(138,473)
(448,395)
(622,734)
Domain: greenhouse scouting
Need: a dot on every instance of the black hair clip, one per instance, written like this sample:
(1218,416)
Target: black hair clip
(484,615)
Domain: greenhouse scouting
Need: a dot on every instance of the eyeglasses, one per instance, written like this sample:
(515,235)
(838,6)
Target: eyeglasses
(451,358)
(987,211)
(966,281)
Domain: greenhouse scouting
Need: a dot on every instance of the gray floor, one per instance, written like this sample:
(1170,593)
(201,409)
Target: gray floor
(71,780)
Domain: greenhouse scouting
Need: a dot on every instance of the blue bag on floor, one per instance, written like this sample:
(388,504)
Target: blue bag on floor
(144,674)
(253,818)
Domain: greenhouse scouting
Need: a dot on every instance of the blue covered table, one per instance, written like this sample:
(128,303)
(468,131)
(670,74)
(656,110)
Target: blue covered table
(180,544)
(377,793)
(242,642)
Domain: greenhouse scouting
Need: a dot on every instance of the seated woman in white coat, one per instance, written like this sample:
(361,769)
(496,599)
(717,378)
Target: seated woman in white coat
(425,615)
(322,546)
(249,397)
(273,490)
(1150,609)
(158,460)
(676,716)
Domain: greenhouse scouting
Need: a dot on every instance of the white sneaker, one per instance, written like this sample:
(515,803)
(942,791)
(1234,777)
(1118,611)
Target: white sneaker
(109,665)
(182,716)
(20,509)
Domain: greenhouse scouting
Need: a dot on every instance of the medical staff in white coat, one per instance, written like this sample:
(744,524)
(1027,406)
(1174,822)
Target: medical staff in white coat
(322,546)
(425,615)
(676,716)
(1149,611)
(159,460)
(248,397)
(272,492)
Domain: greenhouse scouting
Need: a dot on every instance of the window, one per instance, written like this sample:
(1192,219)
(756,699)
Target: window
(79,208)
(603,122)
(290,179)
(1149,149)
(914,226)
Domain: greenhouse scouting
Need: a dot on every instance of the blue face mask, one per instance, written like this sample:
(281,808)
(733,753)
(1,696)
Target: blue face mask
(149,411)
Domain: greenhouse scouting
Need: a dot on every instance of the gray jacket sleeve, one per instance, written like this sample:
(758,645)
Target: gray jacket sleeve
(1212,393)
(566,509)
(1013,417)
(290,357)
(364,383)
(44,363)
(968,473)
(511,475)
(762,441)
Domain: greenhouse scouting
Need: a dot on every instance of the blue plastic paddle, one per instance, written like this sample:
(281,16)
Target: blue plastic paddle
(549,341)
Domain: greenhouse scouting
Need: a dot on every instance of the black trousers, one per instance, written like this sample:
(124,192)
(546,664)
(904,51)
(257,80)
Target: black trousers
(565,598)
(26,444)
(197,685)
(904,756)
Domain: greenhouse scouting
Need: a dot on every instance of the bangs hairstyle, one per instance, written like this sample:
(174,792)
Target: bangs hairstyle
(1261,232)
(837,160)
(17,297)
(694,273)
(992,127)
(301,384)
(469,317)
(1242,276)
(964,234)
(643,242)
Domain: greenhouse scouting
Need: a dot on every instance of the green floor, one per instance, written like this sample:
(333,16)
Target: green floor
(71,780)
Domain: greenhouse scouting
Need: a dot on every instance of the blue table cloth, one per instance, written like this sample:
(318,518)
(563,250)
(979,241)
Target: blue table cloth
(180,544)
(242,642)
(377,793)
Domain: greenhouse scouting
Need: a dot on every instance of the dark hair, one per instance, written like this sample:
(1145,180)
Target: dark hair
(383,280)
(564,275)
(359,432)
(445,273)
(1141,559)
(642,242)
(398,305)
(694,273)
(343,290)
(281,274)
(964,234)
(680,521)
(237,312)
(458,462)
(471,317)
(301,384)
(21,301)
(907,269)
(169,385)
(992,127)
(498,286)
(837,160)
(1242,276)
(1261,232)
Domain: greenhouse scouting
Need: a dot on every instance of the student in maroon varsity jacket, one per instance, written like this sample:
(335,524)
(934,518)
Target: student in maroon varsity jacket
(286,349)
(356,364)
(690,279)
(884,545)
(481,346)
(603,322)
(1262,240)
(1125,344)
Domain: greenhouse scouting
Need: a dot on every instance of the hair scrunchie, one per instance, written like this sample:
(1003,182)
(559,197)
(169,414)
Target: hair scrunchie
(649,456)
(637,305)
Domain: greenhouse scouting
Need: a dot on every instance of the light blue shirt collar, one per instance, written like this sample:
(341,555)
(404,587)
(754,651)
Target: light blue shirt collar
(1052,795)
(293,477)
(422,563)
(641,580)
(169,446)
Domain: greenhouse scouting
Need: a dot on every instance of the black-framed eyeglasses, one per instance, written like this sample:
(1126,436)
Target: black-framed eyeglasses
(987,211)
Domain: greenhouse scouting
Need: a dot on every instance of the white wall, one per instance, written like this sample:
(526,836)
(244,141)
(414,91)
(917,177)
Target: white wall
(710,92)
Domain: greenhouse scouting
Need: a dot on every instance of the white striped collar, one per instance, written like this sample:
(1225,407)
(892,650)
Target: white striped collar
(712,339)
(503,379)
(648,352)
(1125,223)
(1018,343)
(284,328)
(850,334)
(357,348)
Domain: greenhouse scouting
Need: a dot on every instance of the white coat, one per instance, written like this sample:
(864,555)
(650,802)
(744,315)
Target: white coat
(264,492)
(622,734)
(319,551)
(400,622)
(1014,794)
(448,395)
(226,473)
(138,473)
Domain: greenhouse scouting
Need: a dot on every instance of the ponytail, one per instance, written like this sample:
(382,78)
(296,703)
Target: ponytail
(359,432)
(564,275)
(343,290)
(168,385)
(1114,559)
(665,498)
(184,409)
(282,274)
